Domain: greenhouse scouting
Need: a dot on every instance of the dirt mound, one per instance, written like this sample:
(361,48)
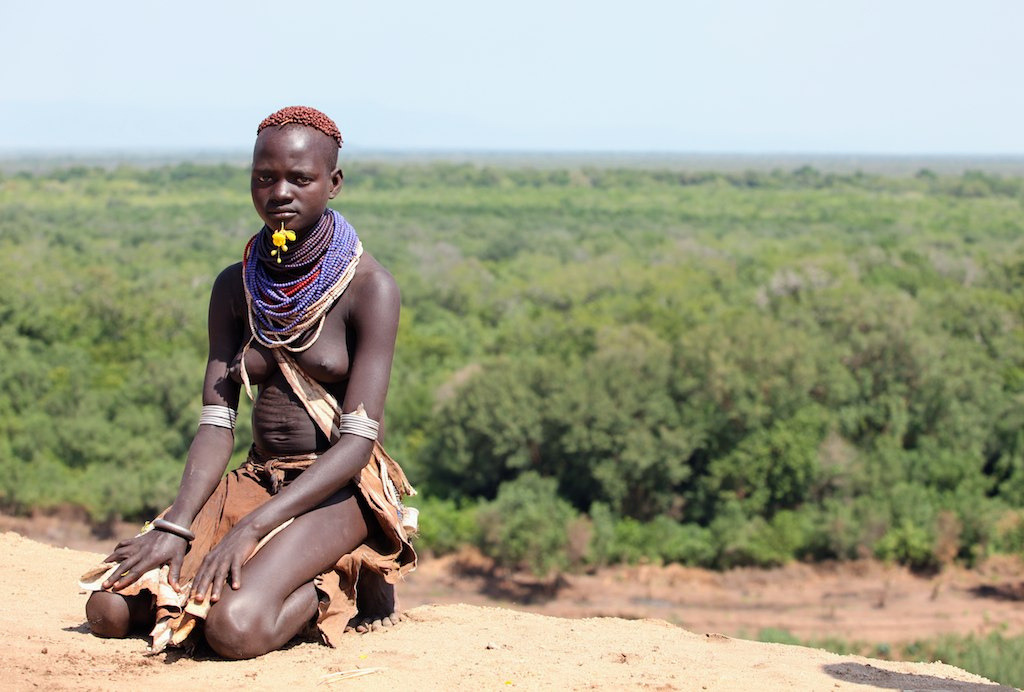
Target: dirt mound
(439,647)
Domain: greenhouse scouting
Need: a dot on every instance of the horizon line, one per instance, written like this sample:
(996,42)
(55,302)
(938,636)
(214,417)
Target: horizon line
(885,163)
(40,152)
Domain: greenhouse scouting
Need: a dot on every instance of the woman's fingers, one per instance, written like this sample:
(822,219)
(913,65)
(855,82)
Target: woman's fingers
(200,585)
(200,595)
(135,557)
(121,551)
(174,573)
(206,585)
(236,572)
(219,577)
(125,574)
(223,565)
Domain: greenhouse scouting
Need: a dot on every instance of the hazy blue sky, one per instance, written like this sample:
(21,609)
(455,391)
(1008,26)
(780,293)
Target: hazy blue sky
(863,76)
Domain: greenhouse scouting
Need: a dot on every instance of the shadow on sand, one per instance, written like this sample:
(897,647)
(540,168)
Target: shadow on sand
(869,675)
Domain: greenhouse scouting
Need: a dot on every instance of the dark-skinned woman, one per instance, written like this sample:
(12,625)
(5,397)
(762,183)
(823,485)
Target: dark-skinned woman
(308,320)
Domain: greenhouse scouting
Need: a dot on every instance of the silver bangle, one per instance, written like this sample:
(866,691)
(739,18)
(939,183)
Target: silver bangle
(356,424)
(171,527)
(219,416)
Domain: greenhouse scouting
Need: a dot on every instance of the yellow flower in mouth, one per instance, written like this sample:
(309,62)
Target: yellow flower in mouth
(280,238)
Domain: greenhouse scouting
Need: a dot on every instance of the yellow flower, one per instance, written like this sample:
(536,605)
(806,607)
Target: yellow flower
(280,237)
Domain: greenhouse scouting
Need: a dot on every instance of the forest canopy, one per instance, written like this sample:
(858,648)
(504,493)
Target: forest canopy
(701,367)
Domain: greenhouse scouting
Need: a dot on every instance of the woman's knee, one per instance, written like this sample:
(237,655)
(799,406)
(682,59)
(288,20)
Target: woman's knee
(237,628)
(108,614)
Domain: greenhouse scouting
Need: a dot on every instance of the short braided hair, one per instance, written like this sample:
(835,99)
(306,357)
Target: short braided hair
(302,115)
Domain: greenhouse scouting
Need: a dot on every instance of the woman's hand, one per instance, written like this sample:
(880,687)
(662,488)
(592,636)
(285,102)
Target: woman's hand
(224,561)
(142,553)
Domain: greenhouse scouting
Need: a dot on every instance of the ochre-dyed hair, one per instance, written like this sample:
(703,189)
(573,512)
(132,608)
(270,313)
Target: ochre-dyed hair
(302,115)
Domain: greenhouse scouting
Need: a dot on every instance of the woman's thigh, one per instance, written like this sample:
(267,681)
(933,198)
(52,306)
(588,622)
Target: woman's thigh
(312,544)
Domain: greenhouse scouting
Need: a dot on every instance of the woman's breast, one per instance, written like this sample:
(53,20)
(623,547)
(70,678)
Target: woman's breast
(260,364)
(326,361)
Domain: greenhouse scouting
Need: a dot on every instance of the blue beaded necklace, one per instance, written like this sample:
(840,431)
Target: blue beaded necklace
(284,313)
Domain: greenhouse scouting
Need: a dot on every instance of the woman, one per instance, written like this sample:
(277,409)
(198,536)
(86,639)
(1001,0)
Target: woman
(311,319)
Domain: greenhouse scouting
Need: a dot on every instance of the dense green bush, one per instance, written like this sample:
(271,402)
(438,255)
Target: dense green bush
(663,540)
(526,525)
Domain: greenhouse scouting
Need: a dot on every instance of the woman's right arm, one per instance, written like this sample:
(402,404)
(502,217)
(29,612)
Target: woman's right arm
(210,450)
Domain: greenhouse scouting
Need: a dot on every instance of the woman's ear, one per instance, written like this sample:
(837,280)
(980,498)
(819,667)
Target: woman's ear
(336,179)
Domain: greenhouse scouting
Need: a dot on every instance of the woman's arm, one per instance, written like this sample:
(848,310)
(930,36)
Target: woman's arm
(374,321)
(212,446)
(209,452)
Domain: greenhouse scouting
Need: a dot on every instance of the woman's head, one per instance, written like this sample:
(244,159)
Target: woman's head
(295,167)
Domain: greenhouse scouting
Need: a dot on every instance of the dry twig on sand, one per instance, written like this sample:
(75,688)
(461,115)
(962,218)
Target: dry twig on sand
(332,678)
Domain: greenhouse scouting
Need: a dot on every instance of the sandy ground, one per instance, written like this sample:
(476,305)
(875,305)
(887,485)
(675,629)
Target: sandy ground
(447,645)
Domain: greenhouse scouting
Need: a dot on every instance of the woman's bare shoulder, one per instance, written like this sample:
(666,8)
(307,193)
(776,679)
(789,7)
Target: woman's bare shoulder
(229,279)
(373,280)
(232,273)
(228,288)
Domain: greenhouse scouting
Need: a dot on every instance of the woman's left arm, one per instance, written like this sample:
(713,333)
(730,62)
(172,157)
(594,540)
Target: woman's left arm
(373,319)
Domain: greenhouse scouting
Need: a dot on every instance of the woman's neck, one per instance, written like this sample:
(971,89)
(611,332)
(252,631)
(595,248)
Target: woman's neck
(308,246)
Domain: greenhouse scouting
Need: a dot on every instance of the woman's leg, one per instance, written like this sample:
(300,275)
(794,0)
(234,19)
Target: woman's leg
(277,597)
(376,604)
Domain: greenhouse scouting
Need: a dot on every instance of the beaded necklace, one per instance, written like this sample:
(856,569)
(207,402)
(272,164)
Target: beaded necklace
(284,313)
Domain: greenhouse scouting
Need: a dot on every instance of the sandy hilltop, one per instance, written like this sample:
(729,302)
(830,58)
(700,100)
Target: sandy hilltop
(453,646)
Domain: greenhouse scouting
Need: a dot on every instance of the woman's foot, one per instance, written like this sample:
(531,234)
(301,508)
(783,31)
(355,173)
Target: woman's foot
(376,604)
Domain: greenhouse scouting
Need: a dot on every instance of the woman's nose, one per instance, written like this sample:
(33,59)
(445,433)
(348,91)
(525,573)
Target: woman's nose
(281,191)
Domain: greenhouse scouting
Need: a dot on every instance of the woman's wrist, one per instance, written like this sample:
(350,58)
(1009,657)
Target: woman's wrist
(252,525)
(170,527)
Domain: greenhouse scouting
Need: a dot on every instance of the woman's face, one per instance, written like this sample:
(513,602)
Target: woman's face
(294,174)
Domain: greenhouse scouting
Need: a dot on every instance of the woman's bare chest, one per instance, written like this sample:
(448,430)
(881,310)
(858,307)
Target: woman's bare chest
(327,360)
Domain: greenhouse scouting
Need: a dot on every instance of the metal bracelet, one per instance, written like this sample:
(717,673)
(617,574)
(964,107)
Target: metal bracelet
(355,424)
(171,527)
(219,416)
